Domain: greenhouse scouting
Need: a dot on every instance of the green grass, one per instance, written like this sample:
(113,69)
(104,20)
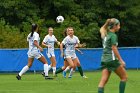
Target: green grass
(35,83)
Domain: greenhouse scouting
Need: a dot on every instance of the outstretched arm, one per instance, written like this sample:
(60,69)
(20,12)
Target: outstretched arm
(79,51)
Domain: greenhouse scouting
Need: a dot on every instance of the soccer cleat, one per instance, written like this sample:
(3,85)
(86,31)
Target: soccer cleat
(70,76)
(18,77)
(85,77)
(47,77)
(64,74)
(54,75)
(43,74)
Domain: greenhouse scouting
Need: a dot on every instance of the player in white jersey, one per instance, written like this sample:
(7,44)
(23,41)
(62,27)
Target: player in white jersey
(66,65)
(34,52)
(70,42)
(49,42)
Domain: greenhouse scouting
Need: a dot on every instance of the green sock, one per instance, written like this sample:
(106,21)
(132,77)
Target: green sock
(81,71)
(59,70)
(100,90)
(122,86)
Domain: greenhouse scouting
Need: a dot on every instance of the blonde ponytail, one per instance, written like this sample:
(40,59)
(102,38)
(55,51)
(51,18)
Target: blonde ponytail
(109,24)
(104,28)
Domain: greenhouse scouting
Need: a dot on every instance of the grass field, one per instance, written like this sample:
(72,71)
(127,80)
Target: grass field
(35,83)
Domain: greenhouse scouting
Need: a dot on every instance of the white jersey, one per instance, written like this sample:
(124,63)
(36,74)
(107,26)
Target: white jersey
(50,40)
(33,50)
(32,39)
(70,43)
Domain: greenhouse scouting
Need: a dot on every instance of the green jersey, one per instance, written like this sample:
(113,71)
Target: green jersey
(108,41)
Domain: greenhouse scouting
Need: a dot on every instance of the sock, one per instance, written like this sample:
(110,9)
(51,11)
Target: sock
(71,72)
(81,71)
(54,70)
(24,69)
(59,70)
(100,90)
(67,69)
(122,86)
(46,69)
(49,67)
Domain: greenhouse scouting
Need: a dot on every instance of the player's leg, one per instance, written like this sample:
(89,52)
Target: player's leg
(25,68)
(71,65)
(73,69)
(66,64)
(62,68)
(49,66)
(121,72)
(105,76)
(53,60)
(49,56)
(44,61)
(80,68)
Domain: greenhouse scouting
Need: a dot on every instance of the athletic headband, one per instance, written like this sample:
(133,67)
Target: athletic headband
(117,21)
(111,24)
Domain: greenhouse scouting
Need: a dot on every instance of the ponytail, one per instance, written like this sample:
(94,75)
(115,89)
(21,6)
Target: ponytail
(34,27)
(109,24)
(104,28)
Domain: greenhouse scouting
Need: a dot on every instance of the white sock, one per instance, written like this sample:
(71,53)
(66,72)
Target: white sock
(49,67)
(54,70)
(24,69)
(67,69)
(71,72)
(46,69)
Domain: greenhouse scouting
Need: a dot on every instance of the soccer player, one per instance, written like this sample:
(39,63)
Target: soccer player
(49,42)
(66,65)
(34,52)
(70,42)
(111,59)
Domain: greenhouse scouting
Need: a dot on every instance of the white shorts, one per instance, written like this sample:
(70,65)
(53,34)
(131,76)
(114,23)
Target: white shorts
(50,54)
(34,54)
(70,55)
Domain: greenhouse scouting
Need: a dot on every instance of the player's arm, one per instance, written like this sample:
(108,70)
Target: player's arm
(79,50)
(81,45)
(37,45)
(116,52)
(61,50)
(104,28)
(78,45)
(44,44)
(58,43)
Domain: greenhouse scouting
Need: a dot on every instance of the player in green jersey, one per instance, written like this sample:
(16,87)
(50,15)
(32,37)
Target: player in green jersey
(111,59)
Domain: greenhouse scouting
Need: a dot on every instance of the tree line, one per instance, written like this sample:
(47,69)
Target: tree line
(86,16)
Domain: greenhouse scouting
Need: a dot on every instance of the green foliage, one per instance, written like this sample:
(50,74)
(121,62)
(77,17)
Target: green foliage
(11,37)
(86,16)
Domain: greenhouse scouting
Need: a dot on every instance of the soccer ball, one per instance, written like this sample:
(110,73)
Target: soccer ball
(60,19)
